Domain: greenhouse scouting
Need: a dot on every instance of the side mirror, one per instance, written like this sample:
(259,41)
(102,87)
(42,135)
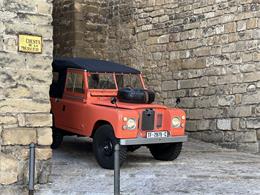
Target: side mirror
(113,100)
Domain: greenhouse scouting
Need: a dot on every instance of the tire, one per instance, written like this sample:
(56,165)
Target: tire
(57,138)
(166,152)
(104,141)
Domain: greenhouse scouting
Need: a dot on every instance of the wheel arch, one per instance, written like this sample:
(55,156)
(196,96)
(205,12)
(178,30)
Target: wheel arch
(98,124)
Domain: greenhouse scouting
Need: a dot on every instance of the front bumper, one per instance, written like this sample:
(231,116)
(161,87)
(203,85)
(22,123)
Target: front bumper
(145,141)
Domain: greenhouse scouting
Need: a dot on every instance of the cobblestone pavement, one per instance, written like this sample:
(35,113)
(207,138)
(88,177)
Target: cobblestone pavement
(200,169)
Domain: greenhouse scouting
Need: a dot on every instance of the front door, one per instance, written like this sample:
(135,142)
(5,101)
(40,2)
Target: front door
(74,101)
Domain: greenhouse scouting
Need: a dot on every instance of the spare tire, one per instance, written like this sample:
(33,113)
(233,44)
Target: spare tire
(139,96)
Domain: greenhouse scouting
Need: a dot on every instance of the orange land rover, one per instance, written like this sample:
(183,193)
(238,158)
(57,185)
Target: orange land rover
(110,103)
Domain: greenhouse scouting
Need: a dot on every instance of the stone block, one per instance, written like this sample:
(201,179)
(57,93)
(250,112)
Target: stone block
(38,120)
(251,88)
(212,136)
(169,85)
(230,27)
(258,84)
(224,124)
(247,67)
(44,8)
(151,41)
(21,5)
(228,79)
(239,111)
(157,56)
(164,39)
(21,120)
(8,169)
(235,124)
(256,56)
(251,77)
(258,134)
(195,114)
(253,123)
(23,106)
(7,120)
(204,125)
(248,147)
(226,100)
(245,136)
(241,25)
(257,110)
(206,102)
(186,102)
(147,27)
(239,88)
(19,136)
(202,51)
(43,153)
(229,136)
(187,84)
(164,18)
(10,44)
(44,136)
(212,113)
(251,98)
(191,125)
(251,23)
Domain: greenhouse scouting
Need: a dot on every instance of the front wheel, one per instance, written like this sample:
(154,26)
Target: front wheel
(165,152)
(104,142)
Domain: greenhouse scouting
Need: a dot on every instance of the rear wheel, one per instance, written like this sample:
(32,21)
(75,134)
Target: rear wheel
(104,142)
(166,152)
(57,138)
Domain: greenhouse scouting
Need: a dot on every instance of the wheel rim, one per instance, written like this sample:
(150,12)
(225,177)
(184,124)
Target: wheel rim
(107,148)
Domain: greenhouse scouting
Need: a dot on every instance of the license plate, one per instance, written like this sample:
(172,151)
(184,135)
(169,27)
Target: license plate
(157,134)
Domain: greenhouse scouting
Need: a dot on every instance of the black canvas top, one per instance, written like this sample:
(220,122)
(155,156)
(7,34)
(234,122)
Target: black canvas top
(91,65)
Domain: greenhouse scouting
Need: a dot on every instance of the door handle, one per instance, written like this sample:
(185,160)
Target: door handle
(63,108)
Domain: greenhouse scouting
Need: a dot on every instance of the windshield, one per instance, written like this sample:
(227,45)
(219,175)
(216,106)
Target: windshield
(128,80)
(101,81)
(106,81)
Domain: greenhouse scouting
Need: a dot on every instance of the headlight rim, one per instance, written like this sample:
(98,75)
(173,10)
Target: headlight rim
(179,122)
(134,122)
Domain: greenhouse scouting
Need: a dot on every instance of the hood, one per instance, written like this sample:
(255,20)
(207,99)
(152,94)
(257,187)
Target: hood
(130,106)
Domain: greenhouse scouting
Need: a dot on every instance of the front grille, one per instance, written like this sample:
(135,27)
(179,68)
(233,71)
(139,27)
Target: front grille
(148,119)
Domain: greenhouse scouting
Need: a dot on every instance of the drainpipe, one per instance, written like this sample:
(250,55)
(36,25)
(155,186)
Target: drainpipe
(31,168)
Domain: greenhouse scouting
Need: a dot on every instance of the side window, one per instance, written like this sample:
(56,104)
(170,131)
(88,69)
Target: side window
(70,81)
(75,82)
(79,83)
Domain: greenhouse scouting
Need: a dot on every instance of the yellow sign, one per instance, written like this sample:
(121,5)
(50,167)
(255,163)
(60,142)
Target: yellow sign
(30,43)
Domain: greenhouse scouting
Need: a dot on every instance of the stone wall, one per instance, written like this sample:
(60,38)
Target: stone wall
(24,92)
(204,52)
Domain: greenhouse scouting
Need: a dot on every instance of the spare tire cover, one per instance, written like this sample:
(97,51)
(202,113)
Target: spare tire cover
(130,95)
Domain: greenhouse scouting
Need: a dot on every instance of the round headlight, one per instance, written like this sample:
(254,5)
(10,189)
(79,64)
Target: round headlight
(131,124)
(176,122)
